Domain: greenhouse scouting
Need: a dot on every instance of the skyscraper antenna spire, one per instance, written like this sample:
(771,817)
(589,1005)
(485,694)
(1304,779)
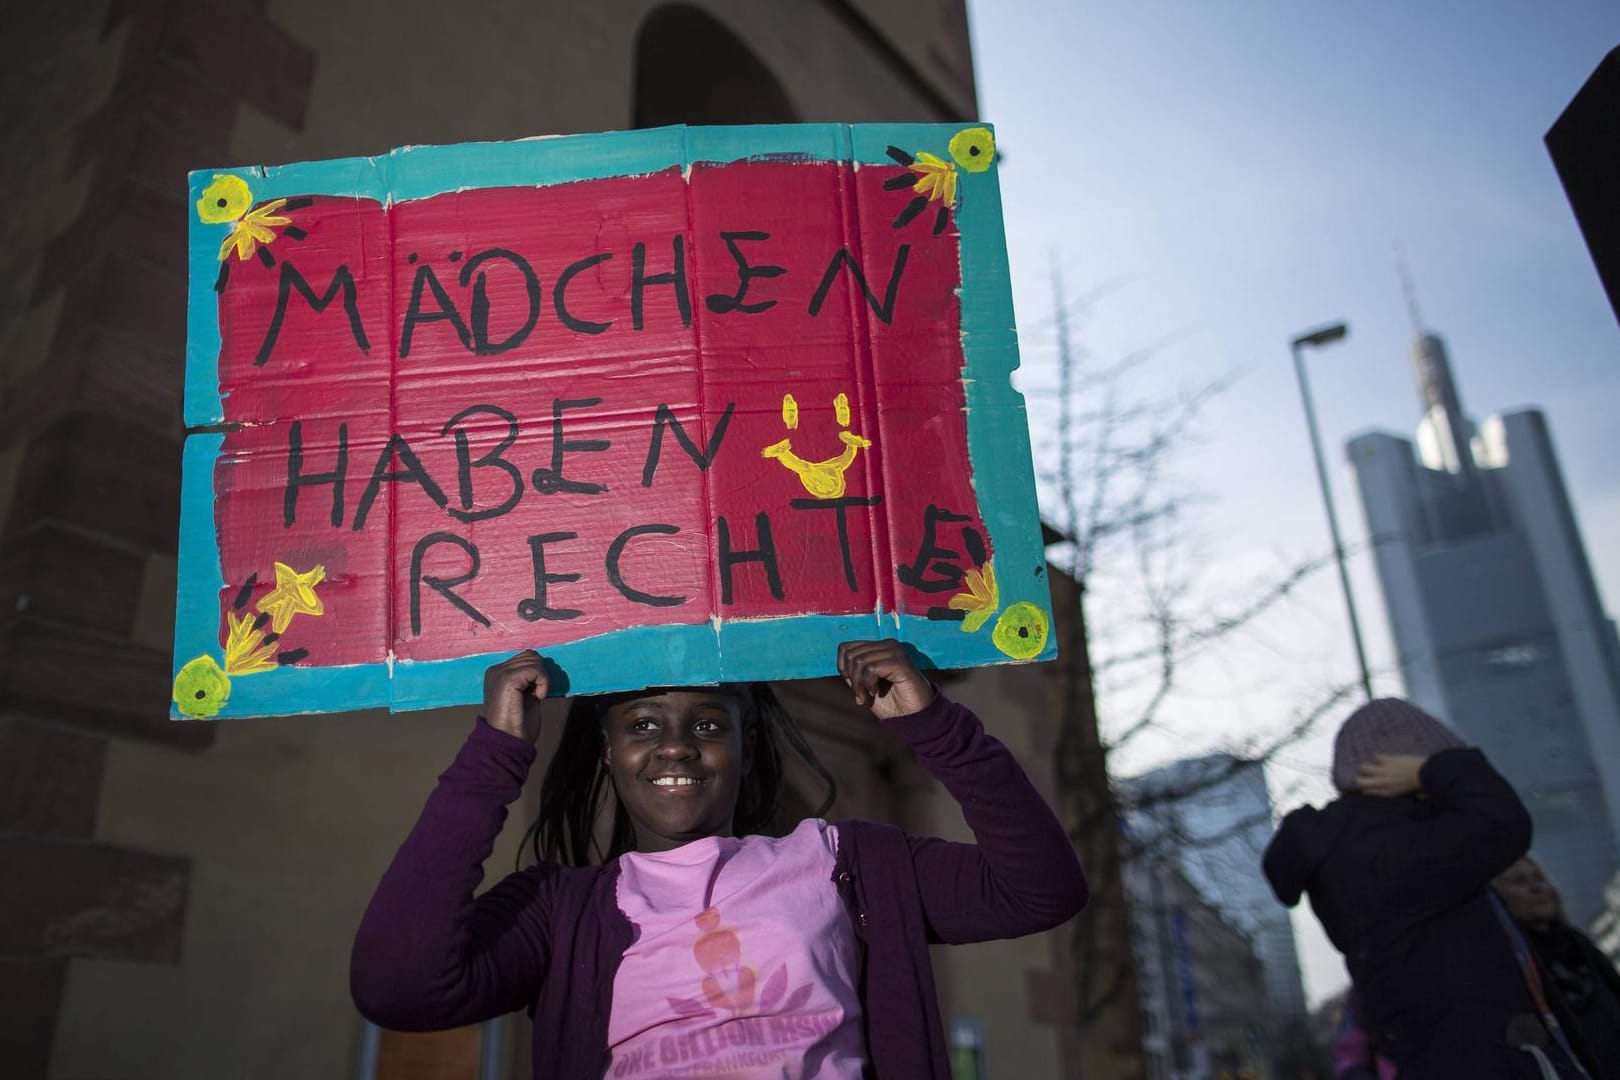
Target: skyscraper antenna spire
(1408,290)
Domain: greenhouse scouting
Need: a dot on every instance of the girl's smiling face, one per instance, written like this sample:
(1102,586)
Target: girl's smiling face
(677,758)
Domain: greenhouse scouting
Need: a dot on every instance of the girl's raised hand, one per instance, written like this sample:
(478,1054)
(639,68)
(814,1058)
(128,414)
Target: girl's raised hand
(513,690)
(883,678)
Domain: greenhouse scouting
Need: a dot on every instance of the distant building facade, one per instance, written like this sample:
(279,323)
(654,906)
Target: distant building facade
(1203,989)
(1496,617)
(1213,813)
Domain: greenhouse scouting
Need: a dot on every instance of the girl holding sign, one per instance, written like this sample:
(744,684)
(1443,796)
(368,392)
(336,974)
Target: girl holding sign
(701,945)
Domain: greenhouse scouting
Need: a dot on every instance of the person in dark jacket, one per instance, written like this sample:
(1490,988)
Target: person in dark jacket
(1397,869)
(1581,984)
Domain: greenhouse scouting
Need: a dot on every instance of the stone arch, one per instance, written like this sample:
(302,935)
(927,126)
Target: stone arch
(690,68)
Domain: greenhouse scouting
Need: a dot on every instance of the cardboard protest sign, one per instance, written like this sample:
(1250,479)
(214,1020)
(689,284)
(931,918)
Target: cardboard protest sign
(672,406)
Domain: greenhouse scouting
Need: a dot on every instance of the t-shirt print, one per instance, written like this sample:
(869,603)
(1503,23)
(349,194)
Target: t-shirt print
(744,964)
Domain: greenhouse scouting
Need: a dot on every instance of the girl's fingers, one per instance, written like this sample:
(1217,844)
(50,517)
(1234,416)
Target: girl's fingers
(853,654)
(872,668)
(861,662)
(884,655)
(854,667)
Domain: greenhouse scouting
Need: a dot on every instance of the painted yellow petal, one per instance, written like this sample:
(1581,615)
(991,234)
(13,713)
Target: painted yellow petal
(988,573)
(245,651)
(266,214)
(293,595)
(242,239)
(977,619)
(259,660)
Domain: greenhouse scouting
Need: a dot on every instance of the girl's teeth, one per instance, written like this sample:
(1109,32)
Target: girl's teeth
(674,781)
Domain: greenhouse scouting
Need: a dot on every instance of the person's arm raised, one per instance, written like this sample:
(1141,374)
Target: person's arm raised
(427,956)
(1022,875)
(1479,827)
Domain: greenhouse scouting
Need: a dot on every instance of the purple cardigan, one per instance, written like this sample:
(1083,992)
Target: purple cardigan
(429,956)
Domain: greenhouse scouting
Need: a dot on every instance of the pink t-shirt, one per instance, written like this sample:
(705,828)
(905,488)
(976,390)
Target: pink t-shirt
(744,963)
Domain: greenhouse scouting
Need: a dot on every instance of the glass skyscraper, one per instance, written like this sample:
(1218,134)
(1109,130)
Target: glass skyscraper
(1495,615)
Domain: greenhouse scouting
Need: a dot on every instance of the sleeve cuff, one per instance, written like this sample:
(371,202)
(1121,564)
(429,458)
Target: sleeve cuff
(500,743)
(1443,768)
(937,718)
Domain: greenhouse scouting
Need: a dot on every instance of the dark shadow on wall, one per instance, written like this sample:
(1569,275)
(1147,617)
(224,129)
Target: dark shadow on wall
(691,69)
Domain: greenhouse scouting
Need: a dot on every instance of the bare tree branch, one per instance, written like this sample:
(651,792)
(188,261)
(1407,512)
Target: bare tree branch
(1121,512)
(1222,625)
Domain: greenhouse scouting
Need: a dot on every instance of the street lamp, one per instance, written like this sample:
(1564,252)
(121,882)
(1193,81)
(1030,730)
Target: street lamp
(1326,335)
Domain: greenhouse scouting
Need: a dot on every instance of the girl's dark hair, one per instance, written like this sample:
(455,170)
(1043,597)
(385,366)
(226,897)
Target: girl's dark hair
(577,786)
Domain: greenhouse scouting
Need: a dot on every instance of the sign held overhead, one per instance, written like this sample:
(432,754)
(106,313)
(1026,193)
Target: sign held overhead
(672,406)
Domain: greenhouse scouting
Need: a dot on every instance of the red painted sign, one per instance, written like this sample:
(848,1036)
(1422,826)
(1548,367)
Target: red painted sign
(512,417)
(590,381)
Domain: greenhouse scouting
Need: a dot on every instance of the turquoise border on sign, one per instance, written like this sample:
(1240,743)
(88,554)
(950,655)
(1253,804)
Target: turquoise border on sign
(750,649)
(202,404)
(723,650)
(198,578)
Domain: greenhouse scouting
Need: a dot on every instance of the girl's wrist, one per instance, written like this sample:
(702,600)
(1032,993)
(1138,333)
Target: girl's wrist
(485,724)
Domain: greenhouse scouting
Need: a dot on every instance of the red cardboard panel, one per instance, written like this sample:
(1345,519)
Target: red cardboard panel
(670,406)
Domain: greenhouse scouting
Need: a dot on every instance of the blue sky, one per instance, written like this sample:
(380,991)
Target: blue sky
(1241,172)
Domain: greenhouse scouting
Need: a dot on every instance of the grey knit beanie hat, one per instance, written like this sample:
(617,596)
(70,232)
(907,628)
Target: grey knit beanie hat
(1386,726)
